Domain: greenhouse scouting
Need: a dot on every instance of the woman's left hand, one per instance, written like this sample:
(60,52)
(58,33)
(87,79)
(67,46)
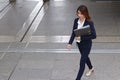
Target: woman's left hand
(77,38)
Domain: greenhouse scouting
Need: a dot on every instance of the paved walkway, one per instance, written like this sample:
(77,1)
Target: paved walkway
(52,66)
(42,54)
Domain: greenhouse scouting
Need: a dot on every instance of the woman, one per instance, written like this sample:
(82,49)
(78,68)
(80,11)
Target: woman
(84,42)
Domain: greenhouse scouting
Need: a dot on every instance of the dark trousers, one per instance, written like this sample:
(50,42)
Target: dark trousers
(84,48)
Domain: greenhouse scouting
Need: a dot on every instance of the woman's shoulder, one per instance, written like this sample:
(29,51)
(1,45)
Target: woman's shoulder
(76,19)
(90,22)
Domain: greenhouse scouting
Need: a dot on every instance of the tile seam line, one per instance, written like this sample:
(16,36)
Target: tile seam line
(5,7)
(31,23)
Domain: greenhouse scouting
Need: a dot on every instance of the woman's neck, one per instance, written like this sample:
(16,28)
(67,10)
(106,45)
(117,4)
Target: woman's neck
(81,19)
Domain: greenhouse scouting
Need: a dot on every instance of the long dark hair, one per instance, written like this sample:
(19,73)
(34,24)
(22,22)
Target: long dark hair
(83,9)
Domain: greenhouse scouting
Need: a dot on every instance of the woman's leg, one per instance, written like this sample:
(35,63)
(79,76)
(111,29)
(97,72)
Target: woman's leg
(88,62)
(82,67)
(84,59)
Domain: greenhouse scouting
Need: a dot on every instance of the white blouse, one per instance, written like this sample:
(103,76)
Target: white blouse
(80,25)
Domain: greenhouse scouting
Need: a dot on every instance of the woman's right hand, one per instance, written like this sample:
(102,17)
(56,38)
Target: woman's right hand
(69,46)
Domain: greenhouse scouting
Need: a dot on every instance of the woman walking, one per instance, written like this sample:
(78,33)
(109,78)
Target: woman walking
(83,42)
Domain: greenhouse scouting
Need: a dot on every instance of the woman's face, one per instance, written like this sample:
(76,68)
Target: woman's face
(80,15)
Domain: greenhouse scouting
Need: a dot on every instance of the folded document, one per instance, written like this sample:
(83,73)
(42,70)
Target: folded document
(85,30)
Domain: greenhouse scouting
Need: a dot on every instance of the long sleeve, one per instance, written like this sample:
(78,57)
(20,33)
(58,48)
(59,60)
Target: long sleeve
(92,35)
(73,34)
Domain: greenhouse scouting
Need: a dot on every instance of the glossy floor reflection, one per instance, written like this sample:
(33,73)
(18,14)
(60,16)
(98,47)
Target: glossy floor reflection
(33,40)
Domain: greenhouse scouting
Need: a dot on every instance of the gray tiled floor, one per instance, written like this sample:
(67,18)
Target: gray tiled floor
(50,60)
(44,66)
(16,16)
(3,4)
(103,15)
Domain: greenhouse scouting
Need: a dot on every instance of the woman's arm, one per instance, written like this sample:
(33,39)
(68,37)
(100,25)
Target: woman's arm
(92,35)
(73,34)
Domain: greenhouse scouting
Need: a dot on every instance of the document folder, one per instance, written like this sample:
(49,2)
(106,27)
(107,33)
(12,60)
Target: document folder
(85,30)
